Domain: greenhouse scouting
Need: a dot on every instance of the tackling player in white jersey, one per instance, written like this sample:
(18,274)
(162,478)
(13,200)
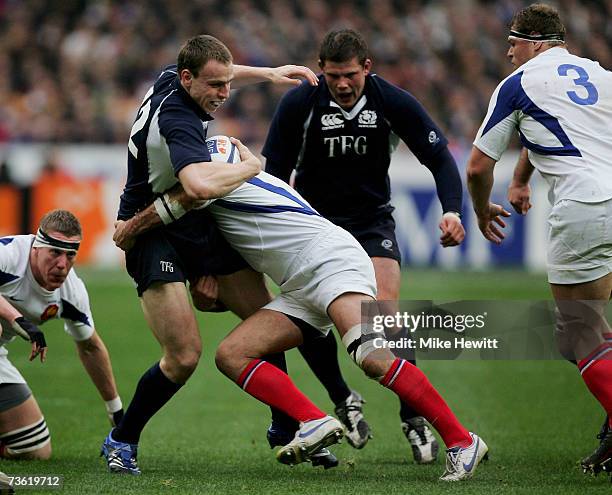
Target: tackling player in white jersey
(324,277)
(37,284)
(561,105)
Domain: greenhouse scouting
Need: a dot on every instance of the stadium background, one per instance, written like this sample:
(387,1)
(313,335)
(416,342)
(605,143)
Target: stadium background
(73,74)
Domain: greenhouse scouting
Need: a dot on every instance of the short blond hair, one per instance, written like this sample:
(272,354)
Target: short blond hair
(61,221)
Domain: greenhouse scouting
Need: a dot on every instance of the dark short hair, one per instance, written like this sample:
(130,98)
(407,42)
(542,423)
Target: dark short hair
(61,221)
(343,45)
(539,18)
(197,51)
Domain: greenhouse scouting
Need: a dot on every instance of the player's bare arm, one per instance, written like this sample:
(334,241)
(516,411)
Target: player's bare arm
(285,74)
(7,311)
(219,180)
(210,180)
(519,192)
(480,183)
(96,361)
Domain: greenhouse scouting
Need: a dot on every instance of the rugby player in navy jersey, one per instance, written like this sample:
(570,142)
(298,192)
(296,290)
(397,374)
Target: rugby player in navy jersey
(166,146)
(338,136)
(324,278)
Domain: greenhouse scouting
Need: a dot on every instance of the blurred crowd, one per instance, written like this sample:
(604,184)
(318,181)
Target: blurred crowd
(76,70)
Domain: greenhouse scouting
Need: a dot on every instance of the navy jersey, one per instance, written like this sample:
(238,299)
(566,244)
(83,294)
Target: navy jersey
(168,134)
(342,157)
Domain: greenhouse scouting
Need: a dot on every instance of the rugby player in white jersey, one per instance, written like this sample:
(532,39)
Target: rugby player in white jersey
(324,277)
(37,284)
(561,105)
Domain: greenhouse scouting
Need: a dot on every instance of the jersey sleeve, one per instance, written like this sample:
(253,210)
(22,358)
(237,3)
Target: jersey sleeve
(7,267)
(411,122)
(14,251)
(286,134)
(76,313)
(501,120)
(184,134)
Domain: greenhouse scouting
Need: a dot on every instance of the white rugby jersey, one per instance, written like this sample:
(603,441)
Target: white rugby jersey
(561,105)
(269,224)
(18,286)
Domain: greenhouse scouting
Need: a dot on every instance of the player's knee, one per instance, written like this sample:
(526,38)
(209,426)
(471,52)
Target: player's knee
(564,340)
(368,349)
(181,365)
(223,357)
(32,442)
(228,358)
(42,454)
(375,368)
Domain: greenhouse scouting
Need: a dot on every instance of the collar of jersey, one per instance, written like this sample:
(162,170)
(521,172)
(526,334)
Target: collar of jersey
(555,50)
(361,102)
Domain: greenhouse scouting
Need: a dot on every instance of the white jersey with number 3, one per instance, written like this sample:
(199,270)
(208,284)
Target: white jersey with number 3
(561,105)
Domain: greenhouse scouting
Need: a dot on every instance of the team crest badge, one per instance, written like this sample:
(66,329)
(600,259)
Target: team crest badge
(50,312)
(367,118)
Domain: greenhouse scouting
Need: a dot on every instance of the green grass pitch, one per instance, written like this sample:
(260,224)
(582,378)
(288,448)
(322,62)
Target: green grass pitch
(537,417)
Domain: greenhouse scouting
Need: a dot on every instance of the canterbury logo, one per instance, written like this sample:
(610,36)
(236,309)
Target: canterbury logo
(332,121)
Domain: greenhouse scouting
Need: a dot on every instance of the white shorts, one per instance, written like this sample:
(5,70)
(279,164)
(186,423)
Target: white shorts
(8,372)
(579,241)
(331,265)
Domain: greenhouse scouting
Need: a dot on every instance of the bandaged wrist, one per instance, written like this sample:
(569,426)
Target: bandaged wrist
(168,210)
(113,405)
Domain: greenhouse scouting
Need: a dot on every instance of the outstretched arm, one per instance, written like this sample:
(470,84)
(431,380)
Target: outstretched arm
(96,361)
(285,74)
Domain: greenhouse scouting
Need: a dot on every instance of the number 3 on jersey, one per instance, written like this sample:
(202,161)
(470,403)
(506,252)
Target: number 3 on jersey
(582,80)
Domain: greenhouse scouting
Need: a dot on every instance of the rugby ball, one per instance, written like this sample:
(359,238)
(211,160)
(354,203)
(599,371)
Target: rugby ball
(221,149)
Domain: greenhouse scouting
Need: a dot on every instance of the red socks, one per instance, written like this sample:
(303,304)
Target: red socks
(271,386)
(596,371)
(413,387)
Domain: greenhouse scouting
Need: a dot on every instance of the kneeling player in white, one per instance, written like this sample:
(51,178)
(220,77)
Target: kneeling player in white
(324,277)
(37,284)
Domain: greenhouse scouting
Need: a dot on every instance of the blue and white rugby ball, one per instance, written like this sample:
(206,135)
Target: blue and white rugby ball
(221,149)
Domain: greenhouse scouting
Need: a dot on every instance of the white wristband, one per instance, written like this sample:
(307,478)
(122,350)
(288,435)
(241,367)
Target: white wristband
(113,405)
(453,213)
(167,209)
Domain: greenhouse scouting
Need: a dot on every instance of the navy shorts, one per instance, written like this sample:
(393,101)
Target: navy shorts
(184,250)
(376,235)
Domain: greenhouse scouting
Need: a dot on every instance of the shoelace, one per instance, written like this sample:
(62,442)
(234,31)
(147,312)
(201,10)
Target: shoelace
(118,454)
(420,431)
(344,410)
(451,461)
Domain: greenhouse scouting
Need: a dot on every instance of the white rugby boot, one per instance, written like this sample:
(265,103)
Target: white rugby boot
(309,439)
